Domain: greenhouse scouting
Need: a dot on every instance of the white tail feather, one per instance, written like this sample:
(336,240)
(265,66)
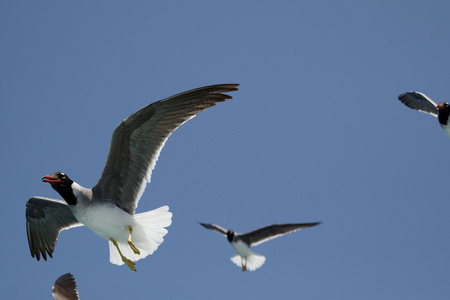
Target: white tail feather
(148,233)
(250,262)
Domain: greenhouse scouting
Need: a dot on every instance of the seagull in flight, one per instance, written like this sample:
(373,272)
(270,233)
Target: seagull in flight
(421,102)
(108,209)
(241,242)
(65,288)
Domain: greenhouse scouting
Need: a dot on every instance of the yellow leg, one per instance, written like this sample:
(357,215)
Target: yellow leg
(130,242)
(244,264)
(129,263)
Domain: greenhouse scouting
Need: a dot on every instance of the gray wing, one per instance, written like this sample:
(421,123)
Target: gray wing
(138,140)
(45,219)
(216,228)
(65,288)
(264,234)
(419,101)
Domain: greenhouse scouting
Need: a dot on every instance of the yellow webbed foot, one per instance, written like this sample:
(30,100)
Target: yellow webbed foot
(129,263)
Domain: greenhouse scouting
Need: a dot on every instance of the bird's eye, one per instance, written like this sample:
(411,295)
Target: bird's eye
(61,175)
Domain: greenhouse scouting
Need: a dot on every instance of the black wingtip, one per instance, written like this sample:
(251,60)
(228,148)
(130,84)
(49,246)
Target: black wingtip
(313,224)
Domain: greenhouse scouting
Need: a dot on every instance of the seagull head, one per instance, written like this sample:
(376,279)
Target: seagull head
(442,105)
(62,184)
(57,179)
(230,235)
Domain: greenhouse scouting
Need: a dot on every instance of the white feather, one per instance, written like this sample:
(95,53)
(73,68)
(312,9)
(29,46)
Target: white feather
(251,262)
(246,257)
(148,233)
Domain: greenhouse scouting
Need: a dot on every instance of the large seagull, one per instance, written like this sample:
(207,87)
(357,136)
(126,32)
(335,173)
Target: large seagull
(241,242)
(108,208)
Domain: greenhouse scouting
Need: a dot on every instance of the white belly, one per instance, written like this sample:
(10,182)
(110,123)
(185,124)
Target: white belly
(106,220)
(241,248)
(446,128)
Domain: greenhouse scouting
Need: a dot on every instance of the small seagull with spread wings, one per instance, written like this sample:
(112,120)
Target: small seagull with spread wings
(246,258)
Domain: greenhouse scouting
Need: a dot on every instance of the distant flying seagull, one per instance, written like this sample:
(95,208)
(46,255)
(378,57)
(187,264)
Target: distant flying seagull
(246,258)
(65,288)
(421,102)
(108,209)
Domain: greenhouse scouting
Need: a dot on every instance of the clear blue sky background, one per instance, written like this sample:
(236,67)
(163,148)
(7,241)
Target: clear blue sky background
(315,133)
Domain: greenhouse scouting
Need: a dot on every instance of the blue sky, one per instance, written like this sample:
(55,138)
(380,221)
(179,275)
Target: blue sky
(315,133)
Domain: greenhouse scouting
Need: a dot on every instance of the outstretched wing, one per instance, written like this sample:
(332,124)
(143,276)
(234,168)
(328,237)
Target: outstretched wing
(216,228)
(419,101)
(264,234)
(138,140)
(45,219)
(65,288)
